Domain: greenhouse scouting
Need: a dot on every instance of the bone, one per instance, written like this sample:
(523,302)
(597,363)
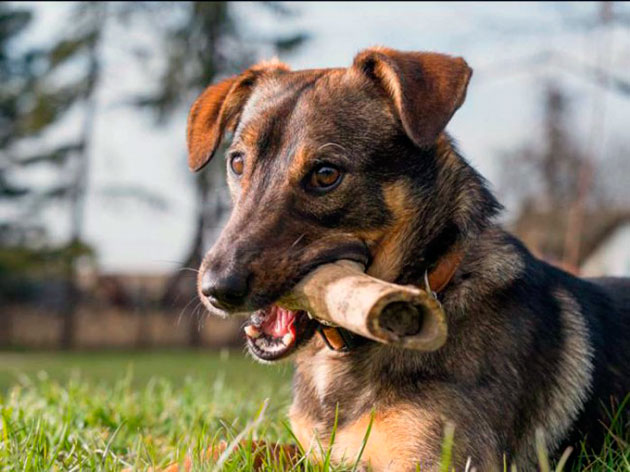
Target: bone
(341,294)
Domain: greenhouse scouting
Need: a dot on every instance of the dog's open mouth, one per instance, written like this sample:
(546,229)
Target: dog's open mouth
(275,332)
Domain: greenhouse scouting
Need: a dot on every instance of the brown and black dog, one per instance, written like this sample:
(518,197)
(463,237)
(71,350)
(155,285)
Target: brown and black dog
(353,163)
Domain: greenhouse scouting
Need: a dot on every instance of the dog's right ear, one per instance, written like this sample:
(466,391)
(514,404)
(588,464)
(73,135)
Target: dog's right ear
(217,110)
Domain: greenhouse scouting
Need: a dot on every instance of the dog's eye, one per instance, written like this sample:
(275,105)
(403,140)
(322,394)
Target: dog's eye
(237,164)
(324,177)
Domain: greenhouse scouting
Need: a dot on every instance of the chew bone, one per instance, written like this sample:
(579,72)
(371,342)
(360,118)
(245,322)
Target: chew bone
(341,294)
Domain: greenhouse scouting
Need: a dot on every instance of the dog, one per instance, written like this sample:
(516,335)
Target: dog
(355,163)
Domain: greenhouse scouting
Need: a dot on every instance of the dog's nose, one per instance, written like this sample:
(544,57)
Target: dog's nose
(224,290)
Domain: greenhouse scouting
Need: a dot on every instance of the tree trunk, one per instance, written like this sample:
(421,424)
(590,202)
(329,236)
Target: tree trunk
(68,313)
(78,192)
(142,315)
(6,329)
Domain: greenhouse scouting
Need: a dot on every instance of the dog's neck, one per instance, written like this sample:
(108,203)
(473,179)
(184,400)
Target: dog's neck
(452,218)
(435,252)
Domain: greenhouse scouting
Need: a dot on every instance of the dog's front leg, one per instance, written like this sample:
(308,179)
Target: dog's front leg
(403,437)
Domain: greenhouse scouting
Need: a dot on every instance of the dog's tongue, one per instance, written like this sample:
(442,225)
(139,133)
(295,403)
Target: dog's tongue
(279,322)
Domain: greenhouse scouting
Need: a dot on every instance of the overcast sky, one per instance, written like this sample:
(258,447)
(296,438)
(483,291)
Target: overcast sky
(501,112)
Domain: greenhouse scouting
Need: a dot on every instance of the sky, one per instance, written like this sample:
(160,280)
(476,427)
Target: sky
(501,112)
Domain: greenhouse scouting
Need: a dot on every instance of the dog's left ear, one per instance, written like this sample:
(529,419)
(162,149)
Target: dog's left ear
(426,88)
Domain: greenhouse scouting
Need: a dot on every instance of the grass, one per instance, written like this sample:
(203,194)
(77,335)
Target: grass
(111,411)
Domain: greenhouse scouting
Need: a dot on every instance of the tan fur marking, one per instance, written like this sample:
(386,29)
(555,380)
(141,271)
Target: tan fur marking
(298,163)
(390,244)
(303,427)
(394,441)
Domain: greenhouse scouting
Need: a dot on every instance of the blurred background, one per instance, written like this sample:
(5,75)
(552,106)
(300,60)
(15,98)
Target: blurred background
(102,227)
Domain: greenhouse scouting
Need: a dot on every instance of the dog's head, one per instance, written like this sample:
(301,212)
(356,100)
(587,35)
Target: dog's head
(325,165)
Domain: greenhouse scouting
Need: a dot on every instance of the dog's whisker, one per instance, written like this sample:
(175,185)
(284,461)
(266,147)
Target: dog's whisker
(210,310)
(196,312)
(201,317)
(299,238)
(181,313)
(331,144)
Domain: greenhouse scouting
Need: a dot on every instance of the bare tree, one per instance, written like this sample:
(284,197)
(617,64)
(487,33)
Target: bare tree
(546,176)
(566,174)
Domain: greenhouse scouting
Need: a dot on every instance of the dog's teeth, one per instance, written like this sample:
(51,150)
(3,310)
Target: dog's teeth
(287,339)
(252,332)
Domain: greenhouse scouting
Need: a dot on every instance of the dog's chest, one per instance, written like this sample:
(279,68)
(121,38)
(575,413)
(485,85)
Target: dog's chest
(327,378)
(328,384)
(393,438)
(327,371)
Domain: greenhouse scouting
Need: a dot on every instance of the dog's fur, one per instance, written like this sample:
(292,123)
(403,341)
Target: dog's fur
(529,345)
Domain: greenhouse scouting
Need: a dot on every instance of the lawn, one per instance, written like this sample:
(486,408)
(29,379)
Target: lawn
(108,411)
(111,411)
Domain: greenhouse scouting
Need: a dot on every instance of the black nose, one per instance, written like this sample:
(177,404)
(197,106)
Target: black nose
(224,290)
